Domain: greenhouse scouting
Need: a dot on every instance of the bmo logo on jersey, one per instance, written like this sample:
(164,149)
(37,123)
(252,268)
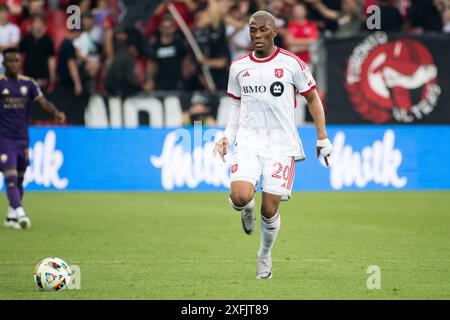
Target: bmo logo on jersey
(277,89)
(254,89)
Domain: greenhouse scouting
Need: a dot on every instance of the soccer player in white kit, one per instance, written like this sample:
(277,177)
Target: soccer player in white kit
(263,85)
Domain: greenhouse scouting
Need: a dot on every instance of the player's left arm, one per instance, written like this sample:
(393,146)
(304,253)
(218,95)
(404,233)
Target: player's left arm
(324,146)
(50,108)
(36,95)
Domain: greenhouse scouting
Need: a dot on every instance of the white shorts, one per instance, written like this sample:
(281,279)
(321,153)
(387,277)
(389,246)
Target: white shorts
(277,173)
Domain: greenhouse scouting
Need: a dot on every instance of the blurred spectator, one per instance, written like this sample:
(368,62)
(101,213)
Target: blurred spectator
(323,23)
(168,53)
(86,46)
(15,10)
(301,33)
(349,19)
(108,38)
(34,8)
(102,13)
(69,92)
(391,19)
(276,7)
(248,7)
(424,16)
(443,6)
(209,32)
(121,79)
(185,8)
(85,5)
(446,20)
(9,33)
(58,4)
(237,32)
(199,111)
(38,48)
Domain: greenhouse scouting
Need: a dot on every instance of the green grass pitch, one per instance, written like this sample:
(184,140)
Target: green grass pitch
(191,246)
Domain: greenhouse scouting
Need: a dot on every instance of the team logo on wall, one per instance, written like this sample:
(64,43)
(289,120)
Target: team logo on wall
(279,73)
(392,79)
(276,89)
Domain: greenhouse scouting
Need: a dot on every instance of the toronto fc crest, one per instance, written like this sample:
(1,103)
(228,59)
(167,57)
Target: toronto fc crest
(279,73)
(392,80)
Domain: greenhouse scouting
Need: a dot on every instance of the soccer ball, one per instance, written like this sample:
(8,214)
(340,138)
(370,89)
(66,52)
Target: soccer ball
(52,274)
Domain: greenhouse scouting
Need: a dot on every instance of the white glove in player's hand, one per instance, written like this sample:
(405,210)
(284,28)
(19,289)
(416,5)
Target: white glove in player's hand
(324,147)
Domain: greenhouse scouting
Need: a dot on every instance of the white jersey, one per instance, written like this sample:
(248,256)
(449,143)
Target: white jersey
(267,91)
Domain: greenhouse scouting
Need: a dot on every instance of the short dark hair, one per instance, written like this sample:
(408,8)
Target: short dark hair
(4,7)
(11,50)
(38,16)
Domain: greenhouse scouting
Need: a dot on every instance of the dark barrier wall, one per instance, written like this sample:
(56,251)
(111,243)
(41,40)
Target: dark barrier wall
(388,78)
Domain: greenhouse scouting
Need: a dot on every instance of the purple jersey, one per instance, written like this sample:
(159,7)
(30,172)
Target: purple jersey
(16,98)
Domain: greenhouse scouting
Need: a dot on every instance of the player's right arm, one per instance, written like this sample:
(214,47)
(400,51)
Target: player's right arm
(234,92)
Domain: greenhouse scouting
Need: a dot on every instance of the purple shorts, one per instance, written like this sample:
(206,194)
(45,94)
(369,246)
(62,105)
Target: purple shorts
(13,154)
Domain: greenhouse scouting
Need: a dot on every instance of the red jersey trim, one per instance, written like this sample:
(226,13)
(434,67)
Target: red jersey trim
(233,96)
(309,90)
(302,64)
(240,58)
(295,97)
(266,59)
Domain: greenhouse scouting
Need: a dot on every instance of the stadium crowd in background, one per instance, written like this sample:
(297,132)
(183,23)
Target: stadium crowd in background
(110,57)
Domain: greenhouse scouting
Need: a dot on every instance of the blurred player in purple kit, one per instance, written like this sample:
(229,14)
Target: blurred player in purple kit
(17,93)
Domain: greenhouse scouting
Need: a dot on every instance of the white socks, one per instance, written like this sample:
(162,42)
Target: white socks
(269,228)
(11,213)
(269,231)
(250,205)
(20,212)
(15,214)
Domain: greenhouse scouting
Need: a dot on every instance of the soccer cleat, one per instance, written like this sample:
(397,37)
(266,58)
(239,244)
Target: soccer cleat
(24,222)
(22,218)
(248,218)
(264,268)
(11,223)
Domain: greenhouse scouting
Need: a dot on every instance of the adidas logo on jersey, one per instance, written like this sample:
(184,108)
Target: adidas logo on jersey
(246,74)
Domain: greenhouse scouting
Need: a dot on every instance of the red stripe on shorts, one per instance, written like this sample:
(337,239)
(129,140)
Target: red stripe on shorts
(291,174)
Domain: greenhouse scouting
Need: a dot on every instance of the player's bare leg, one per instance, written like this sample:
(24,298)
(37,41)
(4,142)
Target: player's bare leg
(270,225)
(241,199)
